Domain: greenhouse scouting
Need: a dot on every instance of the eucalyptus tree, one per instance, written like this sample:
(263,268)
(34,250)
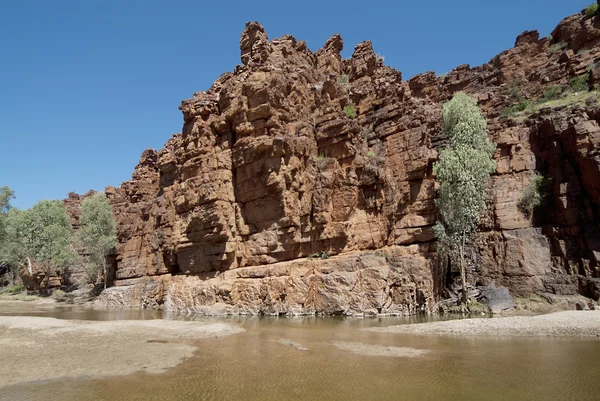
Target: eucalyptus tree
(97,234)
(6,194)
(40,237)
(463,169)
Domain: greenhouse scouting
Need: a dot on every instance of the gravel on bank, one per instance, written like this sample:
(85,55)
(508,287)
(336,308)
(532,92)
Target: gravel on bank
(559,324)
(40,348)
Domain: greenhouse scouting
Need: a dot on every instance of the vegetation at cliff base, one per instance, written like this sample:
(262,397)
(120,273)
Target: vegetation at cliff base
(97,234)
(41,236)
(463,170)
(38,243)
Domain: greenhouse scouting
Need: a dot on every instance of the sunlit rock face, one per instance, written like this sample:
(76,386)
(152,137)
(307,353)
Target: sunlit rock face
(302,183)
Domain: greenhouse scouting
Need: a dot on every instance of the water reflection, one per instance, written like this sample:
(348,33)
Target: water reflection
(257,365)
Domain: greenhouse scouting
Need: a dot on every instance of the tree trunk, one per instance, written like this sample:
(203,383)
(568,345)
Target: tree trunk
(463,274)
(29,268)
(104,271)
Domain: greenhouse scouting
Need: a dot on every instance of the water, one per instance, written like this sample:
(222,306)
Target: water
(255,366)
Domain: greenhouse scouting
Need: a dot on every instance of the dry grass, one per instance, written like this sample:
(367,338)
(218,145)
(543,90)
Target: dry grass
(572,99)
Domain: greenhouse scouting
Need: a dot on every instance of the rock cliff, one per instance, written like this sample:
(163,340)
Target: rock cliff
(302,182)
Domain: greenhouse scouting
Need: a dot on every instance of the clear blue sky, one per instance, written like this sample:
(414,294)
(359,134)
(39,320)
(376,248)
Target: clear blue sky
(87,85)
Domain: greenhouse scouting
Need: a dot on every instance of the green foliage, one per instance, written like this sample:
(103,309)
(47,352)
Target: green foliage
(13,289)
(515,93)
(580,83)
(477,308)
(533,195)
(370,154)
(6,194)
(592,10)
(462,170)
(513,110)
(343,79)
(39,235)
(558,47)
(464,124)
(350,111)
(316,255)
(97,234)
(551,93)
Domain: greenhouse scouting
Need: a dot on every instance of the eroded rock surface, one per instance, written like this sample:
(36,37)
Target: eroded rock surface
(272,166)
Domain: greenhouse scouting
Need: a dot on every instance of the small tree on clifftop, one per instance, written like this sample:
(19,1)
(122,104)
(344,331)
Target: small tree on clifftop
(97,234)
(463,169)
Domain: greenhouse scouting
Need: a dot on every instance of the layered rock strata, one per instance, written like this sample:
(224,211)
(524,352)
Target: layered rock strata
(302,183)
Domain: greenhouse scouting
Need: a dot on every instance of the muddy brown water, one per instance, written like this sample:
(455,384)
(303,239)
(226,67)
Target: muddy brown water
(264,363)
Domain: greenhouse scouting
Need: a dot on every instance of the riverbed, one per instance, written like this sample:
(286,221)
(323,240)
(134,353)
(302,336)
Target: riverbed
(307,359)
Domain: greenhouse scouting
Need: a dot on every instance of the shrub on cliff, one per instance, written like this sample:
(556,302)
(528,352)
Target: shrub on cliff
(97,234)
(463,170)
(533,195)
(350,111)
(592,10)
(580,83)
(40,237)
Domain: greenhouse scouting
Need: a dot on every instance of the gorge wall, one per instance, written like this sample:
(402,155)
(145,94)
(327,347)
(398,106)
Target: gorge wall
(302,183)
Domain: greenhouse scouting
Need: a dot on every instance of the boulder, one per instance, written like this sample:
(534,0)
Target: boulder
(498,299)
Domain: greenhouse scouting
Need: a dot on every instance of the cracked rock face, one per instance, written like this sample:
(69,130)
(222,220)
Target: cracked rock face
(272,166)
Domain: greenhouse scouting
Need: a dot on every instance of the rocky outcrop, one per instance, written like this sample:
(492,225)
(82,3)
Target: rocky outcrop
(299,154)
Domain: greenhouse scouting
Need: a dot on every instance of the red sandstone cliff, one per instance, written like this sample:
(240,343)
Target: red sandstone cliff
(269,169)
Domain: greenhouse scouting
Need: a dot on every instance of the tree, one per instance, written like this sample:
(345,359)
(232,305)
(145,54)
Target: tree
(463,170)
(6,194)
(38,236)
(97,234)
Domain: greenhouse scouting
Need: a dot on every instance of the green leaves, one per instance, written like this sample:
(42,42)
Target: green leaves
(462,170)
(41,233)
(464,124)
(6,194)
(97,233)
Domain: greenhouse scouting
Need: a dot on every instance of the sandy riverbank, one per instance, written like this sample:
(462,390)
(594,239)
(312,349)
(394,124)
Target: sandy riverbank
(559,324)
(39,348)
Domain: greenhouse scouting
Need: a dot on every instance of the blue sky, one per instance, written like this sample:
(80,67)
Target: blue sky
(86,86)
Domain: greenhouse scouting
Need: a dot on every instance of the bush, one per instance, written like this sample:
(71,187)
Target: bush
(517,108)
(533,195)
(13,289)
(580,83)
(558,47)
(551,93)
(592,10)
(515,92)
(350,111)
